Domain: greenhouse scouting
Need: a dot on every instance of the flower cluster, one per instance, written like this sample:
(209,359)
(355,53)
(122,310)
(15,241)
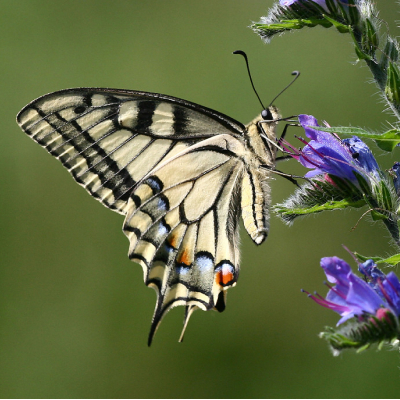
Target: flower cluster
(353,297)
(373,302)
(343,173)
(326,153)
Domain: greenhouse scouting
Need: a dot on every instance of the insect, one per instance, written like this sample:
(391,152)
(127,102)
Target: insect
(181,174)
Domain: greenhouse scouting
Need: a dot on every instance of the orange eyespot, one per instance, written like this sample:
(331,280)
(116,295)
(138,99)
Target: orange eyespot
(224,275)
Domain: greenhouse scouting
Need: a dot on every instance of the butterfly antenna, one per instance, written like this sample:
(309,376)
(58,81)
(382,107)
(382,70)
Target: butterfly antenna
(297,73)
(242,53)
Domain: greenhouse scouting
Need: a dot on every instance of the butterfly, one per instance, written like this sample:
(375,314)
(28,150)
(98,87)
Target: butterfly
(181,174)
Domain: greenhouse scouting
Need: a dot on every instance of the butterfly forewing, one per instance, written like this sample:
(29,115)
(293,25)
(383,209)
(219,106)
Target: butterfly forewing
(109,139)
(179,172)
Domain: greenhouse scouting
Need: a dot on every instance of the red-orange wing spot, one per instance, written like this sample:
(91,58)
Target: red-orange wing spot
(172,241)
(183,258)
(225,274)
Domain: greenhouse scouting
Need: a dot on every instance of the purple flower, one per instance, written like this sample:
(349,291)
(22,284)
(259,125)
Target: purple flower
(362,154)
(353,297)
(326,153)
(395,172)
(387,286)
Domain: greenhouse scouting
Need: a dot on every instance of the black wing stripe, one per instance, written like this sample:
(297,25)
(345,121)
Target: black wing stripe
(151,166)
(164,191)
(125,167)
(109,160)
(180,121)
(47,118)
(155,216)
(82,142)
(145,116)
(109,154)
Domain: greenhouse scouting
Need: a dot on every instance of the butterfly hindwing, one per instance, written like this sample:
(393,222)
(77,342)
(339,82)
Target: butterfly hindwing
(109,139)
(187,245)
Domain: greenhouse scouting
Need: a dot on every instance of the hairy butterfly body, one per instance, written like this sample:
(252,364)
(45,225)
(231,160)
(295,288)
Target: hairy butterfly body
(181,174)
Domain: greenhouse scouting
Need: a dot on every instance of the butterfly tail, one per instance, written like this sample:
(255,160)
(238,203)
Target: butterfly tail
(188,312)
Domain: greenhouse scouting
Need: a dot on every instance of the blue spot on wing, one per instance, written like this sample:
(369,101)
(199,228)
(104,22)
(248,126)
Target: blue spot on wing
(204,262)
(155,184)
(182,270)
(163,203)
(163,229)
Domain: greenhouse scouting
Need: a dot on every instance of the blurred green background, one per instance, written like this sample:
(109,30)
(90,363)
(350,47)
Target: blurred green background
(74,312)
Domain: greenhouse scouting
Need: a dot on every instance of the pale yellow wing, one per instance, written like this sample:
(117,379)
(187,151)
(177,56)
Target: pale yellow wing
(182,225)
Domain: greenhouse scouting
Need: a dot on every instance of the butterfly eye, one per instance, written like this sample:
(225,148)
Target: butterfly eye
(79,109)
(266,115)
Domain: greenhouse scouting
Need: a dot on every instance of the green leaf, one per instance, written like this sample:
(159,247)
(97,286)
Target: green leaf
(392,260)
(391,50)
(332,6)
(345,130)
(386,197)
(361,335)
(392,89)
(378,216)
(362,258)
(329,206)
(288,24)
(361,54)
(372,35)
(390,53)
(365,188)
(363,348)
(339,26)
(320,195)
(353,11)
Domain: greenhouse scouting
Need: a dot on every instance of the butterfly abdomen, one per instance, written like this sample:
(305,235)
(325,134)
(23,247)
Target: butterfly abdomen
(255,190)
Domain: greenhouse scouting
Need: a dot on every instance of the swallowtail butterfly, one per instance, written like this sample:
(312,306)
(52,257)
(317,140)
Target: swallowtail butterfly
(181,174)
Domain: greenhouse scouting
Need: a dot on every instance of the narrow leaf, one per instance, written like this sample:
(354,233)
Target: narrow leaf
(339,26)
(392,260)
(332,205)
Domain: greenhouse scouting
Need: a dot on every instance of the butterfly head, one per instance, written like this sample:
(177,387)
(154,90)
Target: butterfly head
(266,115)
(269,117)
(261,134)
(270,114)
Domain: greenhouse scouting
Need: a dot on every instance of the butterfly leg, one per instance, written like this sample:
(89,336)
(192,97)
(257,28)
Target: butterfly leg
(290,177)
(285,131)
(283,158)
(277,143)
